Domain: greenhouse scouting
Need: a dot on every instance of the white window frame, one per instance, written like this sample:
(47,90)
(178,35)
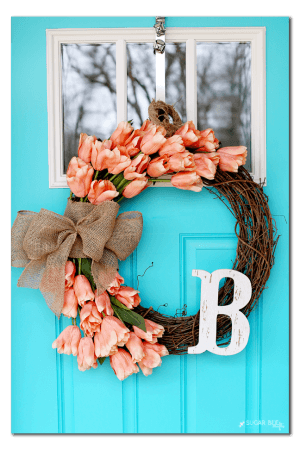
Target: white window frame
(120,36)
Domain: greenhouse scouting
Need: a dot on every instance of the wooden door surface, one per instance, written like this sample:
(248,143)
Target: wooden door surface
(245,393)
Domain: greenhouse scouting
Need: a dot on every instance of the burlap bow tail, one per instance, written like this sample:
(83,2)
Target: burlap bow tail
(42,243)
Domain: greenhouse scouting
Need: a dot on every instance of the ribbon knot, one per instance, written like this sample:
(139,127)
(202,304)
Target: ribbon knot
(42,243)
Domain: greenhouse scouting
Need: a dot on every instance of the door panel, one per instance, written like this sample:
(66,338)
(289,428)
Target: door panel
(182,231)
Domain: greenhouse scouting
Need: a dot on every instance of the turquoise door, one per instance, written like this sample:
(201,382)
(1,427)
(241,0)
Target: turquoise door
(245,393)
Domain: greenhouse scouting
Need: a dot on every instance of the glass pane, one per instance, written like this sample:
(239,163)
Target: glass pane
(175,77)
(141,79)
(88,93)
(224,92)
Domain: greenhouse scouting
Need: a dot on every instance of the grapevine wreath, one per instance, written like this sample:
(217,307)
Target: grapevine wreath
(73,259)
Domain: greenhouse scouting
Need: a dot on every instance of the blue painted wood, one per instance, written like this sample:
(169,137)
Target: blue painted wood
(182,231)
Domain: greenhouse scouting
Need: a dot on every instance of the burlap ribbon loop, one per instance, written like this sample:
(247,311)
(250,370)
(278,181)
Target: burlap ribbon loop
(42,243)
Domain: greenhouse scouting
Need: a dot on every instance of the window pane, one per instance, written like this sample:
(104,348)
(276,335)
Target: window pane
(140,81)
(175,77)
(141,75)
(224,92)
(88,93)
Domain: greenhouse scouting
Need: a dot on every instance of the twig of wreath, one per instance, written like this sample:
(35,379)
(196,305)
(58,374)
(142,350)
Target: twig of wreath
(255,231)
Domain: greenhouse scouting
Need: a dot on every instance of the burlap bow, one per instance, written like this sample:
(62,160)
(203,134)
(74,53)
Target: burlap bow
(42,243)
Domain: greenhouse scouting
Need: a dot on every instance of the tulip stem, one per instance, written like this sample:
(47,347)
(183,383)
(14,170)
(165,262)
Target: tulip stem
(71,195)
(112,178)
(159,179)
(106,175)
(81,199)
(121,198)
(96,174)
(79,266)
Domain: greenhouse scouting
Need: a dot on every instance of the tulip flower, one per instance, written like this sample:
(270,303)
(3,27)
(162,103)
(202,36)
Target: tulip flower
(158,166)
(137,167)
(70,270)
(85,147)
(153,331)
(122,364)
(135,346)
(117,161)
(187,180)
(70,304)
(152,358)
(188,133)
(121,134)
(128,296)
(102,191)
(173,144)
(206,164)
(115,285)
(183,161)
(79,177)
(86,354)
(90,319)
(153,140)
(101,153)
(206,141)
(113,332)
(68,340)
(83,290)
(135,187)
(103,303)
(232,157)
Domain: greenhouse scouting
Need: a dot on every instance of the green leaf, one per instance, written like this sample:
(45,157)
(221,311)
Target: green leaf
(86,270)
(117,303)
(129,316)
(101,360)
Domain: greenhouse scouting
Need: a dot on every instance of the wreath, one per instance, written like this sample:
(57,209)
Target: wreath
(73,259)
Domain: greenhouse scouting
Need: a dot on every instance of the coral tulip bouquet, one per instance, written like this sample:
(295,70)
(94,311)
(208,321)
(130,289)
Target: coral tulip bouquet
(109,171)
(73,259)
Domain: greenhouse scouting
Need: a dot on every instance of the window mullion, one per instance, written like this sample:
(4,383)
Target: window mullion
(121,80)
(191,81)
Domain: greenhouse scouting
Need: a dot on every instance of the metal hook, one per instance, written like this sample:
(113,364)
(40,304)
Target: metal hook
(159,45)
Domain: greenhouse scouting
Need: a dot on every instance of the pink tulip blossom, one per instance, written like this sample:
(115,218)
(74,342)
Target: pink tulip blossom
(182,162)
(102,191)
(135,346)
(101,154)
(188,181)
(153,331)
(103,303)
(83,290)
(70,304)
(70,270)
(206,141)
(86,354)
(79,177)
(152,358)
(128,296)
(188,133)
(121,134)
(90,319)
(135,187)
(206,164)
(137,167)
(122,364)
(153,140)
(158,166)
(173,144)
(113,332)
(68,341)
(232,157)
(85,147)
(115,285)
